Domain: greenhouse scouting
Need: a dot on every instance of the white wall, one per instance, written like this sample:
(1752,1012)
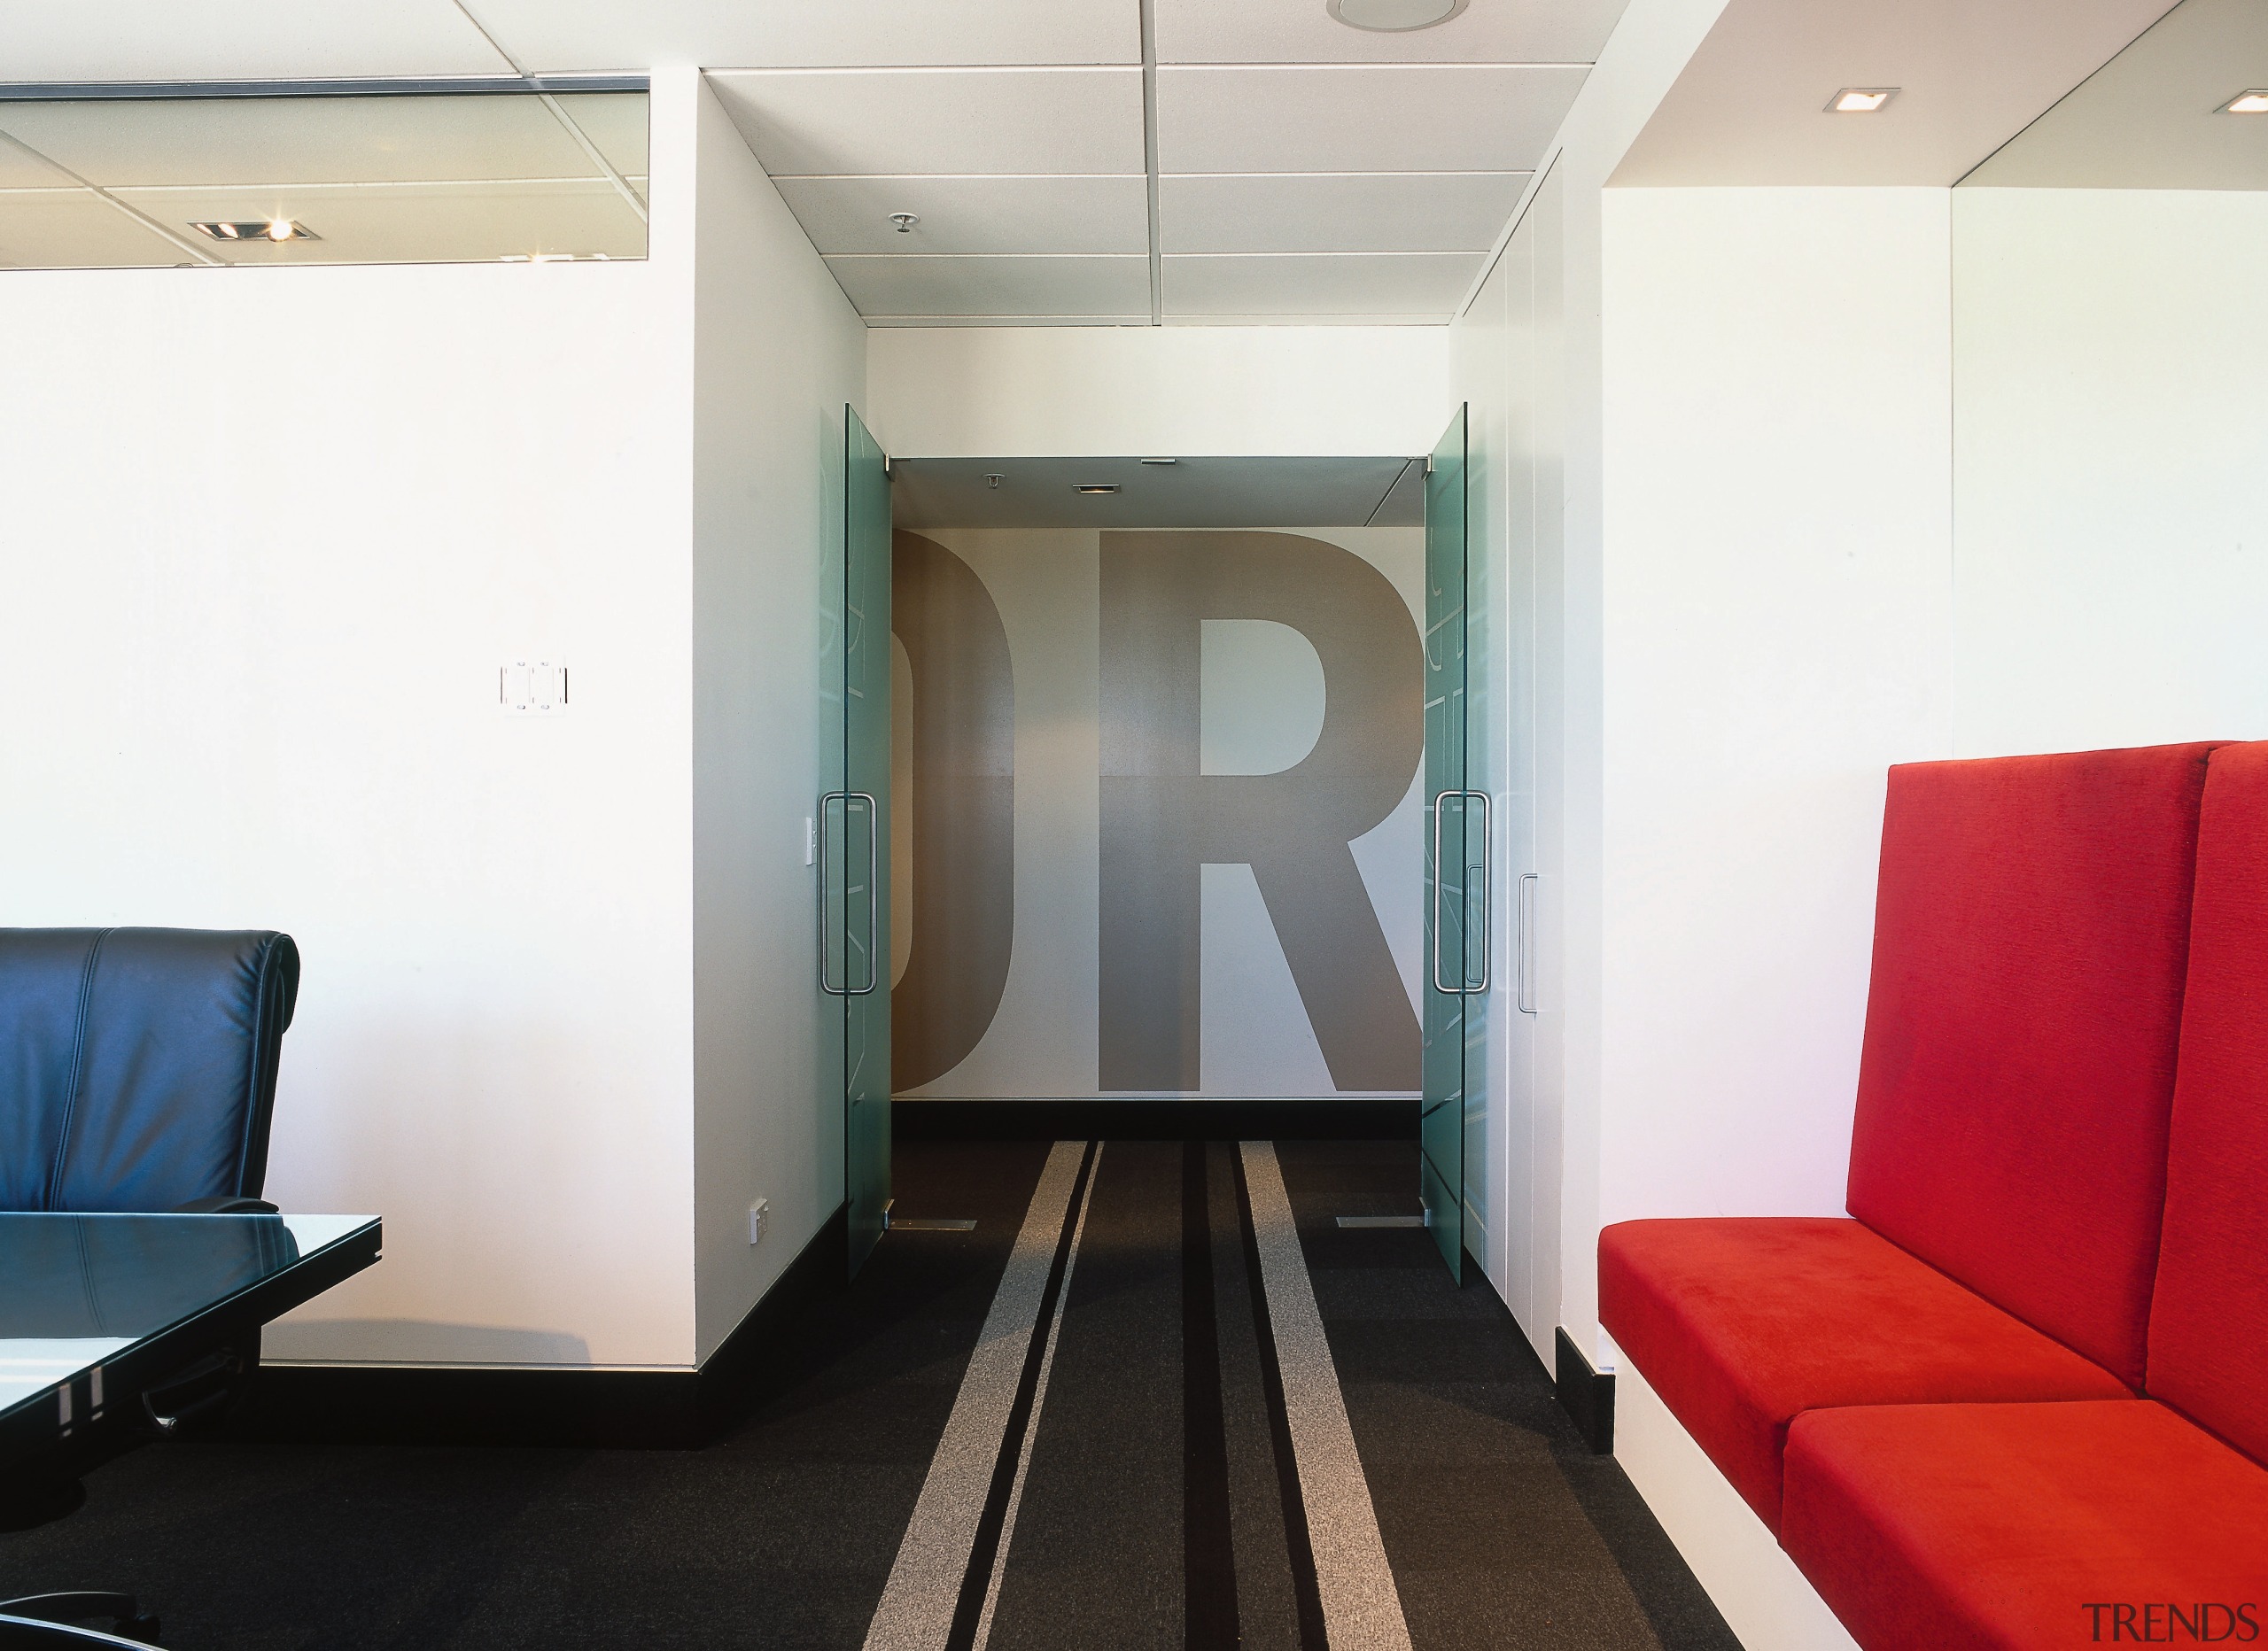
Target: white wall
(778,352)
(248,649)
(1744,618)
(1180,391)
(2111,467)
(1778,539)
(271,533)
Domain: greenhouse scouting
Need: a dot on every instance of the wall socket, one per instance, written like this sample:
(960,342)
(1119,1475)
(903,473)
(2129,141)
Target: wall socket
(531,687)
(759,1217)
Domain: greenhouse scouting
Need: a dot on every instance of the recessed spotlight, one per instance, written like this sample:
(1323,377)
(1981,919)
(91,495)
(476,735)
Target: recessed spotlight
(1393,17)
(2246,103)
(1861,99)
(262,229)
(1096,487)
(1160,462)
(906,220)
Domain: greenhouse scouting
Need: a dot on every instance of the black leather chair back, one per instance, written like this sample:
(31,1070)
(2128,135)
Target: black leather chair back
(138,1066)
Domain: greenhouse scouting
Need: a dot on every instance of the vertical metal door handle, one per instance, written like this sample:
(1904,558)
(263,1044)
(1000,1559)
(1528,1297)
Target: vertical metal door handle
(874,890)
(1465,984)
(1440,985)
(825,931)
(1531,884)
(1487,859)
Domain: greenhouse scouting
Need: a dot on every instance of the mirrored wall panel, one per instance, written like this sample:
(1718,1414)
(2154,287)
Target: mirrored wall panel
(256,177)
(2184,107)
(2110,437)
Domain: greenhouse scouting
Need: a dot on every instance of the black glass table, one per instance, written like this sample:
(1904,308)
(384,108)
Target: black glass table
(97,1311)
(117,1329)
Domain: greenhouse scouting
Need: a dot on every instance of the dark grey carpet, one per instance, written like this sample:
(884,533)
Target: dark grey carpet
(1503,1530)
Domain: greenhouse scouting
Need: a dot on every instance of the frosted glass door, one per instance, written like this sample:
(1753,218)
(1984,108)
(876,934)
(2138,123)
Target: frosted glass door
(855,842)
(1457,845)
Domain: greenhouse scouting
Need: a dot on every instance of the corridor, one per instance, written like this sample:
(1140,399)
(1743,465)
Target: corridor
(1077,1424)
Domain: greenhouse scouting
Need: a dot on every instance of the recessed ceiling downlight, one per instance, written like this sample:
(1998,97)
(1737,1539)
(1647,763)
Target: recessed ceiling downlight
(1861,100)
(1096,488)
(2246,103)
(260,229)
(1393,17)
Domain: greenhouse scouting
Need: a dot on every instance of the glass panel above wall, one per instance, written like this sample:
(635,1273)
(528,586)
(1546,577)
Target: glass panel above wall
(90,178)
(2110,342)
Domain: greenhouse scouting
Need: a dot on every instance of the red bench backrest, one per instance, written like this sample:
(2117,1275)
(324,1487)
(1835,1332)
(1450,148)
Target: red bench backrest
(2031,935)
(2209,1319)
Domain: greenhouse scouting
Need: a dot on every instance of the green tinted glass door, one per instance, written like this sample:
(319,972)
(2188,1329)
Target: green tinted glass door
(854,840)
(1455,832)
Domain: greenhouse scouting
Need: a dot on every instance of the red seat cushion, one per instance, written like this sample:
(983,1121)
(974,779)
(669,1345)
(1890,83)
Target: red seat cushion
(2030,935)
(1953,1527)
(1740,1324)
(2209,1319)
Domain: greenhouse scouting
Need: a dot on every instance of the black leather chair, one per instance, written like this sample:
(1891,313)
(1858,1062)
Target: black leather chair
(138,1066)
(138,1075)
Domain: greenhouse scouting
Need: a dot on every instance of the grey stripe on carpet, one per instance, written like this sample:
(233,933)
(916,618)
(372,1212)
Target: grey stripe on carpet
(1362,1608)
(1038,1404)
(916,1609)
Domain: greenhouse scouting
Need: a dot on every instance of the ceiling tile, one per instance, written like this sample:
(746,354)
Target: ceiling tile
(20,170)
(290,139)
(829,123)
(76,229)
(1213,493)
(983,214)
(1142,320)
(413,223)
(571,34)
(163,40)
(904,286)
(1336,211)
(1405,118)
(617,124)
(1379,285)
(1302,31)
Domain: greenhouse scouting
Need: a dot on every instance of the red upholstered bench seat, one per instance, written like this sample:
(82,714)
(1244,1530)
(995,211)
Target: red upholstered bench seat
(2009,1155)
(2059,1173)
(1740,1325)
(1948,1527)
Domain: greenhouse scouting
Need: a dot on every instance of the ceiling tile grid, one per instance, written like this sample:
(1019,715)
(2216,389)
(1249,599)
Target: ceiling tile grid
(1261,162)
(1051,161)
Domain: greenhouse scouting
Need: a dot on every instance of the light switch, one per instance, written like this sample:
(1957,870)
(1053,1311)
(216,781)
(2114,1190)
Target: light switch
(759,1217)
(531,687)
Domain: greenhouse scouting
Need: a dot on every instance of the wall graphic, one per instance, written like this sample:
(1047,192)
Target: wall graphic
(1158,812)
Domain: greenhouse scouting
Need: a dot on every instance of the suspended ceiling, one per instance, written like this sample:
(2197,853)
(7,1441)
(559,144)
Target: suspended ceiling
(1220,492)
(378,180)
(1303,171)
